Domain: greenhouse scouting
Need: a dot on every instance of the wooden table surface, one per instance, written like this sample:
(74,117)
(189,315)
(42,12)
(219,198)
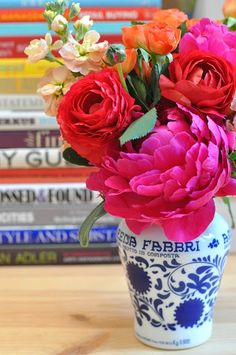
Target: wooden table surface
(80,310)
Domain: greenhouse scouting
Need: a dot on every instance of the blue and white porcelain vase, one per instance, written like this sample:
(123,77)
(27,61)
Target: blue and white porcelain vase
(173,285)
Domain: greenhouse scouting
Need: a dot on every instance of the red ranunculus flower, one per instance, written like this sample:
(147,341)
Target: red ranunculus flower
(94,112)
(200,79)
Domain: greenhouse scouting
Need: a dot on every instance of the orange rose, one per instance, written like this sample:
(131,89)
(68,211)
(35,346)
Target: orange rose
(229,8)
(130,61)
(172,17)
(155,38)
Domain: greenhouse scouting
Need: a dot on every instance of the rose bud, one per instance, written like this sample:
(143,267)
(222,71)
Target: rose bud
(115,54)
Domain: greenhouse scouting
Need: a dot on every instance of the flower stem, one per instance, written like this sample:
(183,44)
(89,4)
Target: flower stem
(121,75)
(51,58)
(154,58)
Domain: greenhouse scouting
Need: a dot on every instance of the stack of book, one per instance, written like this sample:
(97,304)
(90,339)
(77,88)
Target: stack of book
(30,149)
(22,20)
(39,226)
(43,199)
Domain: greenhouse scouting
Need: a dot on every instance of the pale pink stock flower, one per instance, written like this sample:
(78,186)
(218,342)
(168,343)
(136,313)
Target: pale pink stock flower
(38,48)
(59,24)
(85,22)
(84,57)
(53,86)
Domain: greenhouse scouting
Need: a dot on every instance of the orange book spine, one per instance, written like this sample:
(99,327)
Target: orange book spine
(96,14)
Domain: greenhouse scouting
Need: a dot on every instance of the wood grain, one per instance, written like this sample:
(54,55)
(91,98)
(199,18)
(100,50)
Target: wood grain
(80,310)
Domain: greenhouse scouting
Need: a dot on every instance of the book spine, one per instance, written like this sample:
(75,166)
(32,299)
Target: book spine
(74,171)
(18,85)
(21,102)
(96,14)
(42,194)
(70,174)
(26,120)
(40,28)
(18,67)
(30,139)
(31,158)
(57,255)
(70,214)
(56,235)
(39,178)
(13,46)
(88,3)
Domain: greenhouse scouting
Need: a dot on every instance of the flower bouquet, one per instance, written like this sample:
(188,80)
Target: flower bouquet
(155,116)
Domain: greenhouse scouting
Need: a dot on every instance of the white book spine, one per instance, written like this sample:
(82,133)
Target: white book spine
(32,158)
(17,120)
(21,102)
(54,194)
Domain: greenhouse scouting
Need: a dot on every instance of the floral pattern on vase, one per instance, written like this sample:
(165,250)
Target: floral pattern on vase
(200,281)
(174,291)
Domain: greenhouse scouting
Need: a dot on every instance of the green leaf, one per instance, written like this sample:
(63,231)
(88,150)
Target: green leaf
(86,226)
(73,157)
(155,87)
(142,56)
(169,58)
(183,28)
(134,23)
(133,92)
(232,156)
(140,88)
(140,128)
(231,23)
(145,54)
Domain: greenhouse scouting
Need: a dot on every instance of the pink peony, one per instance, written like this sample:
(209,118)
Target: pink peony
(211,37)
(170,177)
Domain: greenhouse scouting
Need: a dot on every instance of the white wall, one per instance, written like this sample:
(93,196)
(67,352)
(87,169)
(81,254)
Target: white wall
(209,8)
(223,210)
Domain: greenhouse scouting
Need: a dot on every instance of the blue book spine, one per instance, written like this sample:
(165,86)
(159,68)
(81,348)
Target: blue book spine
(41,28)
(83,3)
(52,235)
